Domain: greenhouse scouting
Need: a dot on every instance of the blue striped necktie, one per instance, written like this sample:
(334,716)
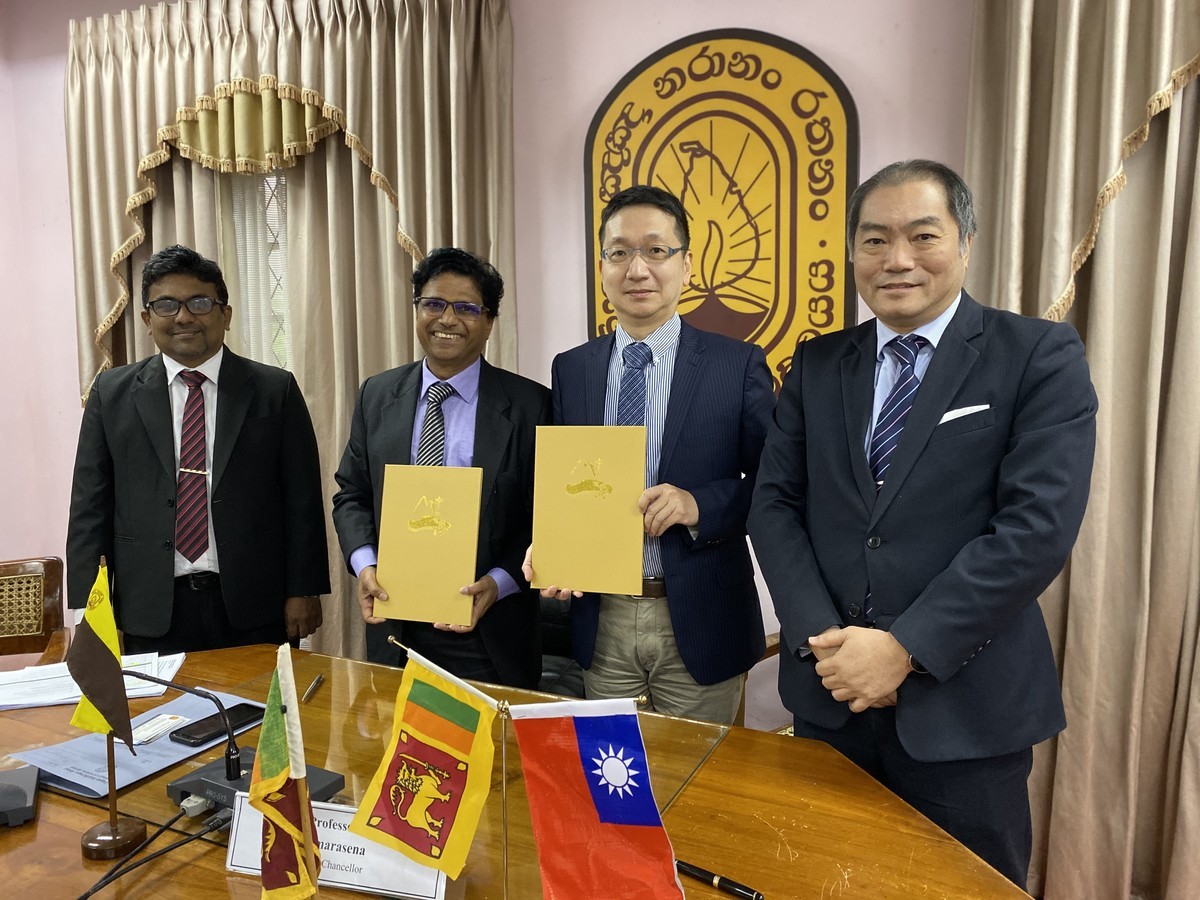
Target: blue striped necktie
(631,399)
(895,409)
(892,416)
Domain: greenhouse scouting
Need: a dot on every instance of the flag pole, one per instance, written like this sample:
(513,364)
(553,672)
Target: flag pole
(503,713)
(112,782)
(310,862)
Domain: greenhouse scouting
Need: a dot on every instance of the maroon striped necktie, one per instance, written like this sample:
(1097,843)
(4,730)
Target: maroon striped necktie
(191,501)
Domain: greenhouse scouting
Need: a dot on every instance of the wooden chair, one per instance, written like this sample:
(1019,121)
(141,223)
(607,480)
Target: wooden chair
(772,650)
(31,610)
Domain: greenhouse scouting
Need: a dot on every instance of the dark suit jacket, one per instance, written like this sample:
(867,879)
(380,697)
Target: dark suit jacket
(267,512)
(976,517)
(720,404)
(510,408)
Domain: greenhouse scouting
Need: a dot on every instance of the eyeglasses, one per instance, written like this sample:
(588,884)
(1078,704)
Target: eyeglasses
(623,256)
(169,306)
(435,306)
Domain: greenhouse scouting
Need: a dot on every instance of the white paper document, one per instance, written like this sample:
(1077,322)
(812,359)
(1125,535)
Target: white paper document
(80,765)
(53,685)
(347,860)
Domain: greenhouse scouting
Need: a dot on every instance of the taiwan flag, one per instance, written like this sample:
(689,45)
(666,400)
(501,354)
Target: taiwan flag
(595,821)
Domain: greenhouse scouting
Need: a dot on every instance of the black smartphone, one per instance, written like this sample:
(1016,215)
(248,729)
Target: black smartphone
(211,727)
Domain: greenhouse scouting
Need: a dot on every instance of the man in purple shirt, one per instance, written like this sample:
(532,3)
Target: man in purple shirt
(489,417)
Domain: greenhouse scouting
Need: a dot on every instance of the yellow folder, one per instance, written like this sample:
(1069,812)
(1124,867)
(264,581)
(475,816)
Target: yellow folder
(428,533)
(587,529)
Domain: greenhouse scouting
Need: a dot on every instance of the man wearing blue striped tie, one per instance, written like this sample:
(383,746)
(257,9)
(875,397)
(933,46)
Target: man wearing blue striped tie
(686,642)
(923,482)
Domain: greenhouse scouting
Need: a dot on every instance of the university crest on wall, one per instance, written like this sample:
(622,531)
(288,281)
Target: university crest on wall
(759,138)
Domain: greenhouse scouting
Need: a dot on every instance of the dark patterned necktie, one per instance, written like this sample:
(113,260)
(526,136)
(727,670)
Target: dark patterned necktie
(631,397)
(431,451)
(191,500)
(894,412)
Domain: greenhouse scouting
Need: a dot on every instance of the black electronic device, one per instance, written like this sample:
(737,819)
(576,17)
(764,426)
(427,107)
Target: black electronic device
(18,794)
(202,731)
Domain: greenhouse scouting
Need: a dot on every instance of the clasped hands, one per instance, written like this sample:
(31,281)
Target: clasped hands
(860,666)
(485,592)
(662,506)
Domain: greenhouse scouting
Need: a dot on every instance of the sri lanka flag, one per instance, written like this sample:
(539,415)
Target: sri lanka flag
(595,821)
(431,786)
(279,790)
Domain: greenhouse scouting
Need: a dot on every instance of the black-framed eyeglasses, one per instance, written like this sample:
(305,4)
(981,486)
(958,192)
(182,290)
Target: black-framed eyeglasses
(169,306)
(623,256)
(435,306)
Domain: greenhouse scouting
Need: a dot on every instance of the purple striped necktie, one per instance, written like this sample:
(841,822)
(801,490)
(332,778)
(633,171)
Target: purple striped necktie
(191,500)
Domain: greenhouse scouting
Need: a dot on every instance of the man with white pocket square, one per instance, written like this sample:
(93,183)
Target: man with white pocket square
(922,483)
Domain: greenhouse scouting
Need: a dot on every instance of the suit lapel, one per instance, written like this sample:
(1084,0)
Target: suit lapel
(153,405)
(951,364)
(596,377)
(396,421)
(493,428)
(684,381)
(235,390)
(858,391)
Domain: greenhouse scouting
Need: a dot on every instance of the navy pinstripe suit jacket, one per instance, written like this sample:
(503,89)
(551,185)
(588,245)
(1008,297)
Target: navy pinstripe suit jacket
(720,404)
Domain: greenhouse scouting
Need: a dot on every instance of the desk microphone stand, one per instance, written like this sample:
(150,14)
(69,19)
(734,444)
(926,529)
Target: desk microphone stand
(120,834)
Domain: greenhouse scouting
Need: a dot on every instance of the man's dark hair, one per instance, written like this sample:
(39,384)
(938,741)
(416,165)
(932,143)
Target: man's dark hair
(958,195)
(453,261)
(647,195)
(180,260)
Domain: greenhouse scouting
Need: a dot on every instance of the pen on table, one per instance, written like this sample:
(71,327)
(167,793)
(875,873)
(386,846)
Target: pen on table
(720,882)
(312,688)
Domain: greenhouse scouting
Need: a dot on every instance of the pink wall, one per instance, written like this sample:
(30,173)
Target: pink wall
(905,61)
(39,382)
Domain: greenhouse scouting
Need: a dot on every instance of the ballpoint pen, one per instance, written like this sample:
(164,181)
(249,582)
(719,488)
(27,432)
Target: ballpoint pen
(720,882)
(312,688)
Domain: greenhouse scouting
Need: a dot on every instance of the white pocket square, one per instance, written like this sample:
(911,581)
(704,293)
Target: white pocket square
(963,411)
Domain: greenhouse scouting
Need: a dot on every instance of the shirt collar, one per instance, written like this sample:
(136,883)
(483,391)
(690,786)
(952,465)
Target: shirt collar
(931,331)
(665,338)
(465,383)
(210,368)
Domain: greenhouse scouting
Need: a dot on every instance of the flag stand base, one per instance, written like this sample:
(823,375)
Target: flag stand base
(105,841)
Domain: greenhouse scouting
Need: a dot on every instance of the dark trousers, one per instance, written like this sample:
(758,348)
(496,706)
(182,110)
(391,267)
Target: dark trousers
(199,622)
(983,803)
(463,655)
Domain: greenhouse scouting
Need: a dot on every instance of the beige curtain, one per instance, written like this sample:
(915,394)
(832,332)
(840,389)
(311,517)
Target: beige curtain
(1082,149)
(417,98)
(420,90)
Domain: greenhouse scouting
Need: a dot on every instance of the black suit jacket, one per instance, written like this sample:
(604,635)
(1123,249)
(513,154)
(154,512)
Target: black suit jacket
(977,515)
(721,399)
(509,409)
(267,512)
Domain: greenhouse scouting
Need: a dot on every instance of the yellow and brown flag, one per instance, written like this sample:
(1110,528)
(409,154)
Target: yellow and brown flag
(94,661)
(429,791)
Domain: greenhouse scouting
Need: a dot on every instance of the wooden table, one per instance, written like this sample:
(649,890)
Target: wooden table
(791,818)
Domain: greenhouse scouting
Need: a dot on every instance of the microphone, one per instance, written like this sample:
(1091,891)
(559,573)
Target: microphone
(233,756)
(219,781)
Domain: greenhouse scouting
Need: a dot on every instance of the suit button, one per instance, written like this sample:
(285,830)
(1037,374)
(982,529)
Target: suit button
(171,502)
(855,611)
(873,542)
(166,545)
